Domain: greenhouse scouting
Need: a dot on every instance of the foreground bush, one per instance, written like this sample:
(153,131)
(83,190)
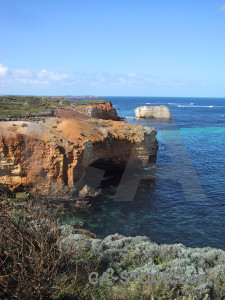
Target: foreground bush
(32,265)
(39,259)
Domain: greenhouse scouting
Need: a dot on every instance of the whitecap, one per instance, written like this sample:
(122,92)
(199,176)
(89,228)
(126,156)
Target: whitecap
(196,106)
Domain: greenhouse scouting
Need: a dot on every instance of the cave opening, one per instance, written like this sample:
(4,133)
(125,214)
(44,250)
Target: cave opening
(109,166)
(102,173)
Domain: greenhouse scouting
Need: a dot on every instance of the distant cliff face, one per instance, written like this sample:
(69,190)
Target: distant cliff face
(103,111)
(160,112)
(28,108)
(51,157)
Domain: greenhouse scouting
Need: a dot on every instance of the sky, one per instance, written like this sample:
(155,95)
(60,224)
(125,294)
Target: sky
(170,48)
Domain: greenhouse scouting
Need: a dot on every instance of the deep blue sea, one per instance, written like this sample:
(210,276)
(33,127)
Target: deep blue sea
(160,209)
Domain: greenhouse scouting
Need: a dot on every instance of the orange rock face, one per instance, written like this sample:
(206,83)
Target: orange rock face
(103,111)
(50,158)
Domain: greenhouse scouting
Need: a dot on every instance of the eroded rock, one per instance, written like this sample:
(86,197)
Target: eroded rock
(51,157)
(160,112)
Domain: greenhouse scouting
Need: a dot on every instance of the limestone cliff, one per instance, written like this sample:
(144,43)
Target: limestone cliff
(50,157)
(103,111)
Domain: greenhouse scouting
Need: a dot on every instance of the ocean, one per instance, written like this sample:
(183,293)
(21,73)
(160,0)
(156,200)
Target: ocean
(160,209)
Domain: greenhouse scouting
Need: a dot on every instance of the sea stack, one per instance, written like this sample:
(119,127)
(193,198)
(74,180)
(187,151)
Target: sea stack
(160,112)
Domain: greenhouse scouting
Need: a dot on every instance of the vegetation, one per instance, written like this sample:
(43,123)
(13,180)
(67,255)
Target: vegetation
(29,106)
(61,102)
(33,266)
(41,259)
(13,107)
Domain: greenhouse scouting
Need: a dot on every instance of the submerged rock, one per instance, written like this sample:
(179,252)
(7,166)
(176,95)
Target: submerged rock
(83,203)
(160,112)
(87,191)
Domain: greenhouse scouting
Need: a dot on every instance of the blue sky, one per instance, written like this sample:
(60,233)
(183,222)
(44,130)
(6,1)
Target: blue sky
(126,47)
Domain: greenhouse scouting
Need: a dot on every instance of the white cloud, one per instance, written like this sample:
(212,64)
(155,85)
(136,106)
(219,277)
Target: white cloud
(44,81)
(27,77)
(131,74)
(3,70)
(222,7)
(52,75)
(132,80)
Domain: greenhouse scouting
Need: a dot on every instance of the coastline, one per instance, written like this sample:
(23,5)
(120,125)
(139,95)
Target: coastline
(63,157)
(116,253)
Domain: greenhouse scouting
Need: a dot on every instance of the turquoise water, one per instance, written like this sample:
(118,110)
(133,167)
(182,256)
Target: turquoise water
(160,209)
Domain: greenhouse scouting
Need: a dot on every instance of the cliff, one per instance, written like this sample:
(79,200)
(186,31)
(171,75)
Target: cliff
(50,157)
(103,111)
(37,108)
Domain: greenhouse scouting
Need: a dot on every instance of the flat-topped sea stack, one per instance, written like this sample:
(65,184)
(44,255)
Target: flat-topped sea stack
(50,156)
(160,112)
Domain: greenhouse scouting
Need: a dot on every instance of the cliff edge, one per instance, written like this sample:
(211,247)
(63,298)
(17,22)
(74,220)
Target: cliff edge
(37,108)
(50,157)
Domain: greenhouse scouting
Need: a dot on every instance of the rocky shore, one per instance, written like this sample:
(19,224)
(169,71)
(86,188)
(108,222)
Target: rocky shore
(50,156)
